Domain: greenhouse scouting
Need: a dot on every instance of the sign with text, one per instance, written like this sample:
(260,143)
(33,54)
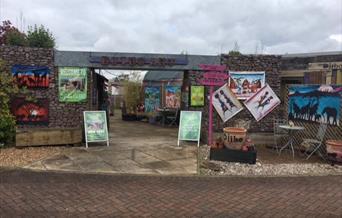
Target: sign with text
(138,61)
(95,126)
(190,126)
(214,75)
(72,84)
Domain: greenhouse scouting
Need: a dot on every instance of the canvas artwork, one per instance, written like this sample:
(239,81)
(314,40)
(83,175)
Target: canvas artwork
(226,103)
(262,102)
(31,76)
(30,112)
(152,98)
(172,96)
(72,84)
(245,84)
(315,103)
(197,96)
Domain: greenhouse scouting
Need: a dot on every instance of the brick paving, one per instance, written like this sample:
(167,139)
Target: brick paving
(50,194)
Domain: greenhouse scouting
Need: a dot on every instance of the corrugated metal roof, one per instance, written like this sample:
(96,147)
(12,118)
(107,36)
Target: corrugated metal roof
(157,75)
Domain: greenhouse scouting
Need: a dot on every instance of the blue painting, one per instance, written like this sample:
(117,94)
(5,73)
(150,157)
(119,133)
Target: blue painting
(152,98)
(31,76)
(315,103)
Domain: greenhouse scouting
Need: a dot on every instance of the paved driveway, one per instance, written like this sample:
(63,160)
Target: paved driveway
(135,147)
(48,194)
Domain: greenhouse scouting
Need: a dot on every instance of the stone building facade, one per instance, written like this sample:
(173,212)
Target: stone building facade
(61,115)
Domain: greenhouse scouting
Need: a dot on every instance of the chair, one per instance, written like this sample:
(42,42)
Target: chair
(172,119)
(278,133)
(315,144)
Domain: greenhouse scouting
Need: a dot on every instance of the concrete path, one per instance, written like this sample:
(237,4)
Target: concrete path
(48,194)
(135,147)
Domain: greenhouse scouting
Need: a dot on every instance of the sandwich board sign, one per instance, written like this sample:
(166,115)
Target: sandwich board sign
(190,126)
(95,127)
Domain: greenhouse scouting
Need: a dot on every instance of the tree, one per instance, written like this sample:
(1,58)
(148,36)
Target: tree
(10,35)
(236,50)
(132,91)
(40,37)
(8,88)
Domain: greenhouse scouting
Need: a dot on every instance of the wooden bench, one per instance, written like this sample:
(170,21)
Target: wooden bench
(48,136)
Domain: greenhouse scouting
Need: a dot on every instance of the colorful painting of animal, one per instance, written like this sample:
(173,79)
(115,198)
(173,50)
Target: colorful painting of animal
(30,112)
(226,103)
(152,98)
(315,103)
(31,76)
(172,96)
(262,102)
(244,84)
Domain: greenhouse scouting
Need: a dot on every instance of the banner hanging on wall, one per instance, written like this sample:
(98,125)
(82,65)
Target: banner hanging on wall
(31,76)
(152,98)
(95,126)
(245,84)
(197,96)
(31,112)
(172,96)
(72,84)
(315,103)
(190,126)
(226,103)
(262,102)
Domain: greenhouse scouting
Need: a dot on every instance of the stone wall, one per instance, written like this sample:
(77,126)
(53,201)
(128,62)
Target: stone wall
(268,63)
(61,115)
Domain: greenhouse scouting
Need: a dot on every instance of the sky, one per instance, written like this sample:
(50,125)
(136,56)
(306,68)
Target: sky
(193,26)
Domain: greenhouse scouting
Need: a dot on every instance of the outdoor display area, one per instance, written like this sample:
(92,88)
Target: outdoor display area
(60,100)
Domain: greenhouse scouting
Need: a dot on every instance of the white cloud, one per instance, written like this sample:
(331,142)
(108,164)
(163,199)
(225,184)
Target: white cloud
(201,27)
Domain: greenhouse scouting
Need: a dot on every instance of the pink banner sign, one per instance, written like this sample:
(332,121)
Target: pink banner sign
(214,75)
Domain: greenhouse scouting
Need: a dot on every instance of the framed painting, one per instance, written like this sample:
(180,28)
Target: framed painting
(197,96)
(262,102)
(226,103)
(244,84)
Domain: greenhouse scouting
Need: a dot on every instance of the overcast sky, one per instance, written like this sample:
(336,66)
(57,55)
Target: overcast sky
(194,26)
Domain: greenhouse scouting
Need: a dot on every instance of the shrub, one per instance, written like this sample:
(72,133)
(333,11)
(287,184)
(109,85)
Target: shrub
(8,88)
(40,37)
(14,37)
(10,35)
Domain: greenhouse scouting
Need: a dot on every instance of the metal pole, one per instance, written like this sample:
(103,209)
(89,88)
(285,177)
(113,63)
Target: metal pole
(210,127)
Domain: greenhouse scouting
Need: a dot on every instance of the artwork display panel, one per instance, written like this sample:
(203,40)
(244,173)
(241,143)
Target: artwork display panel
(31,76)
(315,103)
(172,96)
(226,103)
(72,84)
(197,96)
(262,102)
(244,84)
(152,98)
(35,112)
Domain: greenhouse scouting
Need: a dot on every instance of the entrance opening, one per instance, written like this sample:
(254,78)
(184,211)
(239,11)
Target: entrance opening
(143,110)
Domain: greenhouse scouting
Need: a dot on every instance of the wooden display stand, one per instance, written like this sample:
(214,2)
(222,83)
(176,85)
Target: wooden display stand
(48,136)
(231,155)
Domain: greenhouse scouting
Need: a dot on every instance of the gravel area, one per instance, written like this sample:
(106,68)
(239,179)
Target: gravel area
(18,157)
(210,167)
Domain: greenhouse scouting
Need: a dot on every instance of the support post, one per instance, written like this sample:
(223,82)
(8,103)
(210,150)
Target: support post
(210,127)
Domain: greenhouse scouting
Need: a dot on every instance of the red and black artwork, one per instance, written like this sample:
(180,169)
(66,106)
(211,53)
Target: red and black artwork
(31,76)
(31,112)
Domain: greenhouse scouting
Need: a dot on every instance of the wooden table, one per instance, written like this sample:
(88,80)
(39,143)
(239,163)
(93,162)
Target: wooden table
(291,130)
(164,112)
